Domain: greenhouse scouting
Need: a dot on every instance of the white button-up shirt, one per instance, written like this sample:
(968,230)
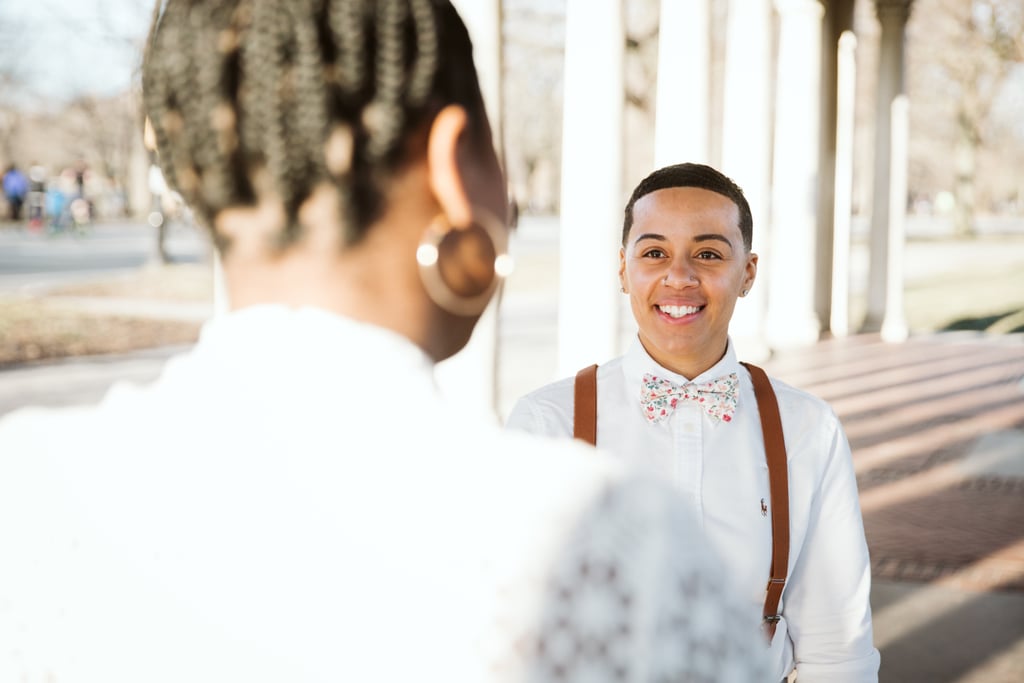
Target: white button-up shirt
(293,500)
(721,470)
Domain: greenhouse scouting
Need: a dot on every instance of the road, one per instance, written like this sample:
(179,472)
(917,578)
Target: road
(31,260)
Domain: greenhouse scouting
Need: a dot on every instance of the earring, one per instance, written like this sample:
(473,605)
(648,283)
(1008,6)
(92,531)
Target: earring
(622,289)
(439,242)
(744,292)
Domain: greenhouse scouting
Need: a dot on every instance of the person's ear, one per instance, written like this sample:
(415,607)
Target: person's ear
(445,175)
(622,270)
(751,272)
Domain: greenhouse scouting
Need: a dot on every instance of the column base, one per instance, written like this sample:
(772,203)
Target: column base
(872,324)
(894,330)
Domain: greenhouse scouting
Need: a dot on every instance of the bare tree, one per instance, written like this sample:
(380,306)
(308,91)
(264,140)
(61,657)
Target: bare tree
(106,130)
(12,81)
(964,53)
(534,33)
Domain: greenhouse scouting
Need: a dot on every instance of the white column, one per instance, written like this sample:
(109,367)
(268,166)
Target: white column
(892,15)
(746,151)
(846,88)
(471,375)
(684,91)
(894,325)
(592,196)
(792,321)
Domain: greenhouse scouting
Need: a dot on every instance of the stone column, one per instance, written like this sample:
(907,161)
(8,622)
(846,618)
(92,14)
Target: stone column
(843,208)
(746,151)
(792,321)
(592,196)
(471,375)
(838,17)
(684,91)
(892,15)
(894,324)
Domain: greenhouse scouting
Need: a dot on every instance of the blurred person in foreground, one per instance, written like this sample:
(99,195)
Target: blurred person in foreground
(292,500)
(680,404)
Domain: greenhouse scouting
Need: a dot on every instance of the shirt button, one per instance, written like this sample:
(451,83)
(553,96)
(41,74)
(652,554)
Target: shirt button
(689,428)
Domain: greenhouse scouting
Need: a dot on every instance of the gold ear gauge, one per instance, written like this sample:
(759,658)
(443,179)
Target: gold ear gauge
(429,256)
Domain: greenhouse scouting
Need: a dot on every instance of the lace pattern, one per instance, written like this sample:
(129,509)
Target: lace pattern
(635,597)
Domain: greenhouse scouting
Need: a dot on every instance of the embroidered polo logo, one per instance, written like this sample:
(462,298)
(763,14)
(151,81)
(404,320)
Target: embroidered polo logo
(764,508)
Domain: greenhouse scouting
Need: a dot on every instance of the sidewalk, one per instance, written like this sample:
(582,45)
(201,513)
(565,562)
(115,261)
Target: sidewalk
(936,426)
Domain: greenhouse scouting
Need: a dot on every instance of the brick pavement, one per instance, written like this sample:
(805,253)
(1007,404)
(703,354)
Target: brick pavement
(936,426)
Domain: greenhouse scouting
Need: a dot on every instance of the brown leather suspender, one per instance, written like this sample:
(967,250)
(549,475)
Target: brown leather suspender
(585,428)
(778,486)
(584,416)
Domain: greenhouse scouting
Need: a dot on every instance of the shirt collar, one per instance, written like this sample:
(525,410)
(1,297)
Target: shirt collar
(637,362)
(311,338)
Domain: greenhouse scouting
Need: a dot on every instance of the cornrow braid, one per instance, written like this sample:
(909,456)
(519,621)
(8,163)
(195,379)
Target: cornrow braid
(257,98)
(276,85)
(345,20)
(383,117)
(426,57)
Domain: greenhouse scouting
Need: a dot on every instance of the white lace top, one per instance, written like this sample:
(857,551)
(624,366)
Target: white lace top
(293,501)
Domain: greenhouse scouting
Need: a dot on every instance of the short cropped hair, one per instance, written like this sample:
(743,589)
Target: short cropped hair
(692,175)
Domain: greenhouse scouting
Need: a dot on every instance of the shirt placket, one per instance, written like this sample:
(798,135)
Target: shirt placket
(688,455)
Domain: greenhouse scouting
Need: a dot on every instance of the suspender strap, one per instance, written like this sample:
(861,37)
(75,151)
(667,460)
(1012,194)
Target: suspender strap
(778,482)
(584,414)
(585,428)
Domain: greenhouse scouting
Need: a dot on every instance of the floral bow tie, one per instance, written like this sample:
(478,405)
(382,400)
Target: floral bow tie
(659,397)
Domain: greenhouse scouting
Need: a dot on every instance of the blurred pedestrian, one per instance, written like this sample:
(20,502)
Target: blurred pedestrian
(36,195)
(55,205)
(15,190)
(80,169)
(293,500)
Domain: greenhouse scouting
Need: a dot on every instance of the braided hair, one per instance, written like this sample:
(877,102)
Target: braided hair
(250,97)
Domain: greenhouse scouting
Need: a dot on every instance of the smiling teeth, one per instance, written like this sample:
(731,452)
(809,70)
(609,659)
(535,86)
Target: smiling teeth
(679,311)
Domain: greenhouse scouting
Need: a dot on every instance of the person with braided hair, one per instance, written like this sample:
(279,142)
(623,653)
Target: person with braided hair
(292,500)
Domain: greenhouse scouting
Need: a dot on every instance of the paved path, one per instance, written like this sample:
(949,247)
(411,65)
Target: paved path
(937,430)
(32,261)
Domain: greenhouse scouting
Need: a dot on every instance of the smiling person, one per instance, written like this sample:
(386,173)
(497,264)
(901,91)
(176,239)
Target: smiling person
(765,467)
(292,499)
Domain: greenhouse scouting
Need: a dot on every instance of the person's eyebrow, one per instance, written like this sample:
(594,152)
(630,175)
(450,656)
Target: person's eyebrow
(697,238)
(712,236)
(651,236)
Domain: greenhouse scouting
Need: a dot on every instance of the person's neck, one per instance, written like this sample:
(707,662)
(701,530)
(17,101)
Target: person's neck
(375,280)
(346,284)
(689,367)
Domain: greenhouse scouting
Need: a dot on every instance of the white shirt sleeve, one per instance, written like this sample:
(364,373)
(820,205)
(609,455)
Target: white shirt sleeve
(826,606)
(547,411)
(636,595)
